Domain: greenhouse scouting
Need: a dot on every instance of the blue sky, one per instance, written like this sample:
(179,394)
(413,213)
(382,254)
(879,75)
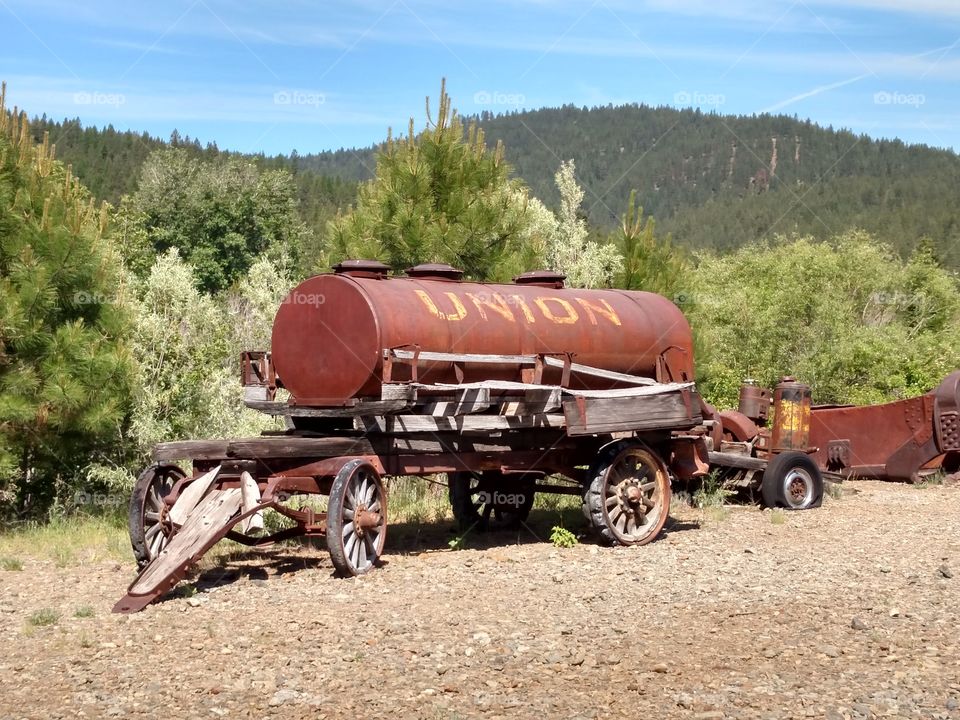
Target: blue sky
(278,76)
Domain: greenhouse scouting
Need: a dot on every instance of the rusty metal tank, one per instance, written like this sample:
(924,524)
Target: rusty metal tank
(331,330)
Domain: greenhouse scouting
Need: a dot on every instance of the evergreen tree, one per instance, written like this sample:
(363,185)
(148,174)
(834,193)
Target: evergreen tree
(649,262)
(438,196)
(65,374)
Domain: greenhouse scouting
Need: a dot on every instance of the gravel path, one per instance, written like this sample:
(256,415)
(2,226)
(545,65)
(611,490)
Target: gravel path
(850,611)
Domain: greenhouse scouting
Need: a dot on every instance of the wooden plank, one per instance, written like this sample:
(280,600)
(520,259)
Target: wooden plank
(297,447)
(193,449)
(548,360)
(199,528)
(468,400)
(398,391)
(191,496)
(424,423)
(250,492)
(655,389)
(664,411)
(366,407)
(579,369)
(536,400)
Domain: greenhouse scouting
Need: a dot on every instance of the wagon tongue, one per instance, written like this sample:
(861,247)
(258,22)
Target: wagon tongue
(208,520)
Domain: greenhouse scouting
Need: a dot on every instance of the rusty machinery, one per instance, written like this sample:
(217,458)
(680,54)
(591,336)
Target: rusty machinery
(511,390)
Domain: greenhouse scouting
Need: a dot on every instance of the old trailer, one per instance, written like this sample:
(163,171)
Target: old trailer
(510,390)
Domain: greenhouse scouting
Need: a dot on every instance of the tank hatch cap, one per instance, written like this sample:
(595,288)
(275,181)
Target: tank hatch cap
(542,278)
(362,268)
(435,271)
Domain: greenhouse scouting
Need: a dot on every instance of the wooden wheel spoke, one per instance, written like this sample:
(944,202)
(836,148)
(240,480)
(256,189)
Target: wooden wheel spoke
(151,516)
(612,501)
(348,513)
(348,529)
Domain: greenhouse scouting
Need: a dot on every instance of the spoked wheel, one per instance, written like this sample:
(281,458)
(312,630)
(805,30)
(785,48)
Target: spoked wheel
(628,498)
(490,500)
(792,481)
(150,530)
(356,518)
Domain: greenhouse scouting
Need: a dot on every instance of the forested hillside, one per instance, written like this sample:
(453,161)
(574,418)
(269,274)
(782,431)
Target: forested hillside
(713,181)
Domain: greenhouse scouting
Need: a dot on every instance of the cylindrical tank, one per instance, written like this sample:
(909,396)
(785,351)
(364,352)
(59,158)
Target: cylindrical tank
(754,401)
(331,330)
(791,416)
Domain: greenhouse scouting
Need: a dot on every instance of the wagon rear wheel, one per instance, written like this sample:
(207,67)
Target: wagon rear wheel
(150,530)
(356,519)
(628,498)
(490,500)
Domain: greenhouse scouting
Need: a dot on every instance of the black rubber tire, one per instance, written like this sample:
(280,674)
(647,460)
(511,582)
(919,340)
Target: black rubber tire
(596,494)
(792,481)
(162,477)
(340,509)
(486,514)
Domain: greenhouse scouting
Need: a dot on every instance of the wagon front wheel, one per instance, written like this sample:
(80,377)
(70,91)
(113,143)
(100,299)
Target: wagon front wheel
(628,497)
(356,519)
(150,529)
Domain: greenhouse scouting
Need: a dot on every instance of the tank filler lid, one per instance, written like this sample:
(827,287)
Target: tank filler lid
(435,271)
(362,268)
(543,278)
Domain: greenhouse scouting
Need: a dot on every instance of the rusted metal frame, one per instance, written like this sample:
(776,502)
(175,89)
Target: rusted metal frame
(256,370)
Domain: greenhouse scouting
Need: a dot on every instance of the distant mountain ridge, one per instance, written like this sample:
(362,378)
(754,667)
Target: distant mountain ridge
(714,181)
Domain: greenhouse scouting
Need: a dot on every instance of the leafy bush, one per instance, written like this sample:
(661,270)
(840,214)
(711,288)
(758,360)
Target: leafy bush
(847,316)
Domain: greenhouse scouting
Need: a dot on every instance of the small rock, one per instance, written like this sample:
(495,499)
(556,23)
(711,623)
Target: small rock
(770,653)
(858,624)
(282,696)
(885,569)
(482,638)
(952,704)
(829,651)
(894,612)
(945,571)
(709,715)
(193,602)
(660,668)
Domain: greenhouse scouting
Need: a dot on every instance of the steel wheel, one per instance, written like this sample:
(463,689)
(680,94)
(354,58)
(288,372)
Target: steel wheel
(490,500)
(792,481)
(356,518)
(150,531)
(628,499)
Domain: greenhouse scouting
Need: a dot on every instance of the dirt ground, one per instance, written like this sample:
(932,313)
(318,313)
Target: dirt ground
(850,611)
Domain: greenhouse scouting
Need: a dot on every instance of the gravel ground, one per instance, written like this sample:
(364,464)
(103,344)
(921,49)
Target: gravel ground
(850,611)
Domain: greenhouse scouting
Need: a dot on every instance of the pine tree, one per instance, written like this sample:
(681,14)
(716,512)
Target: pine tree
(438,196)
(65,374)
(649,262)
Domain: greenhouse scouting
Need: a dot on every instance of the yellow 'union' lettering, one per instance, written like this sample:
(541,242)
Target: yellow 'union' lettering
(495,302)
(461,311)
(568,317)
(604,309)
